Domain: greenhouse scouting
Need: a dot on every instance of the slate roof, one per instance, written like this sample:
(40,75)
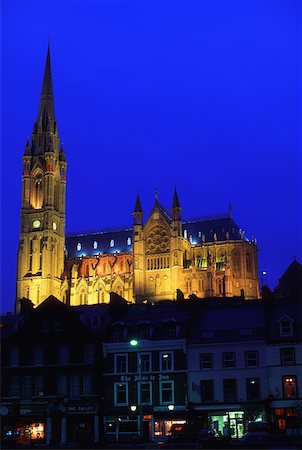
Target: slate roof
(229,321)
(194,230)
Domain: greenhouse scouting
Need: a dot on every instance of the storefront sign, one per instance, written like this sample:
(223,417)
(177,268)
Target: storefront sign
(82,408)
(155,377)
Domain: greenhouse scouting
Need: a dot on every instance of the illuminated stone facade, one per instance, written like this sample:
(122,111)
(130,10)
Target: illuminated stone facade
(152,261)
(42,234)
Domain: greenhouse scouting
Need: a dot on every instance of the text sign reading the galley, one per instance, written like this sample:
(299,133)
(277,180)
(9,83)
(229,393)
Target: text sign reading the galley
(158,376)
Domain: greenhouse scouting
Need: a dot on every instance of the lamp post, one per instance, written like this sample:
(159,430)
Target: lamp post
(135,343)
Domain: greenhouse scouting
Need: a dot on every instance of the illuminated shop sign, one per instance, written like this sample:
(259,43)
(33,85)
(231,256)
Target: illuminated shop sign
(156,377)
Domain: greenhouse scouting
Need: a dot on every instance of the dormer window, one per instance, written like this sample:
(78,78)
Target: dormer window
(144,332)
(286,327)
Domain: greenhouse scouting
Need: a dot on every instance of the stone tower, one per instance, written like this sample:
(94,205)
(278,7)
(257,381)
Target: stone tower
(42,234)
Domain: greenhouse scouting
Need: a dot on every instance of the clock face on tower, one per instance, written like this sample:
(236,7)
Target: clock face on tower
(54,226)
(36,223)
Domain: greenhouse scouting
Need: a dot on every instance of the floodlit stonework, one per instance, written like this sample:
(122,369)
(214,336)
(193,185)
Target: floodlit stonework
(163,258)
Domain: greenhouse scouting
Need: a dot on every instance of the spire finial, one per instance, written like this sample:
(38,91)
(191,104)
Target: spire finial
(230,209)
(156,195)
(46,99)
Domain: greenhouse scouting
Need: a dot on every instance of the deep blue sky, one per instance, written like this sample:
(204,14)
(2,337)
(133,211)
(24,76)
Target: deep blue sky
(153,93)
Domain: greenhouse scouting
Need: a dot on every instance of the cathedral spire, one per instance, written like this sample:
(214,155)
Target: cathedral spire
(45,136)
(176,209)
(47,99)
(138,212)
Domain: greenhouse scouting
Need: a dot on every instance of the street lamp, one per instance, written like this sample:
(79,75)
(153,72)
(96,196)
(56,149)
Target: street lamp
(135,343)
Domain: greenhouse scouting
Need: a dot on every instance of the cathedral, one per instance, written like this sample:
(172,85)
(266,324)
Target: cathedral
(163,258)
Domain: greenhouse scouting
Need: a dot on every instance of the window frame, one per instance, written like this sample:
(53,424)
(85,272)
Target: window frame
(210,362)
(168,402)
(283,357)
(139,391)
(116,385)
(226,362)
(161,359)
(119,355)
(212,397)
(247,358)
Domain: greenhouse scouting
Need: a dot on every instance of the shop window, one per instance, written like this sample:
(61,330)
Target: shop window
(206,360)
(281,424)
(166,361)
(37,431)
(228,360)
(120,363)
(166,389)
(230,390)
(289,386)
(207,390)
(287,356)
(120,394)
(252,389)
(146,362)
(286,327)
(145,392)
(251,358)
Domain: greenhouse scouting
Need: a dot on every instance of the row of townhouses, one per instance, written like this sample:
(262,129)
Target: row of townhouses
(120,371)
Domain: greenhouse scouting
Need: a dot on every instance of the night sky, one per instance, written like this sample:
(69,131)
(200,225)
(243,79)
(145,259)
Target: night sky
(151,94)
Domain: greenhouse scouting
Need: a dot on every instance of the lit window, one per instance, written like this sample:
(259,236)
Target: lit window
(185,234)
(252,389)
(120,394)
(228,360)
(95,245)
(129,241)
(251,358)
(166,361)
(199,233)
(289,387)
(287,356)
(166,392)
(112,243)
(206,360)
(79,246)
